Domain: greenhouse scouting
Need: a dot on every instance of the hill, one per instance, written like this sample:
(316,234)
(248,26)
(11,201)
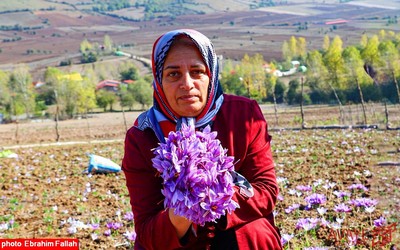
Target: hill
(43,33)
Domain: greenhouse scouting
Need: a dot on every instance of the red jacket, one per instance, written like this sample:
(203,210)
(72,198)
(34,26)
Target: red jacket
(242,130)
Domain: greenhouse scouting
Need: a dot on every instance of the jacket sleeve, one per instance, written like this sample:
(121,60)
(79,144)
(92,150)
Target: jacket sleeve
(250,144)
(152,224)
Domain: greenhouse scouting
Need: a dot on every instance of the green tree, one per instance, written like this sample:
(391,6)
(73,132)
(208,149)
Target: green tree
(85,46)
(142,92)
(230,80)
(108,43)
(355,72)
(286,53)
(292,93)
(370,53)
(317,76)
(390,56)
(86,96)
(128,71)
(364,41)
(5,93)
(326,43)
(293,47)
(126,98)
(21,84)
(106,98)
(335,66)
(302,48)
(253,76)
(66,88)
(270,82)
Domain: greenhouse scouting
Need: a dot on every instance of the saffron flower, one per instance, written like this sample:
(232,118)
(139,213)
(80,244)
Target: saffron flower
(321,210)
(358,187)
(128,216)
(130,235)
(94,236)
(380,222)
(307,223)
(114,225)
(315,199)
(286,238)
(292,208)
(342,208)
(107,232)
(341,194)
(195,170)
(363,202)
(304,188)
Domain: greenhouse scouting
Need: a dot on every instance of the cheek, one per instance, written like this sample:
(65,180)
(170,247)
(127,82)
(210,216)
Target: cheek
(169,93)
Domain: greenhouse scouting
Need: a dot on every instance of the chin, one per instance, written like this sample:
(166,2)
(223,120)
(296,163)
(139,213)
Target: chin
(190,112)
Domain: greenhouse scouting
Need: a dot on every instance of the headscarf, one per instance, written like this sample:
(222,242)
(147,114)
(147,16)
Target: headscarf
(161,118)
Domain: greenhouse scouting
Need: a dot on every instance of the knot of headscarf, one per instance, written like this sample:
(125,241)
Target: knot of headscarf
(161,117)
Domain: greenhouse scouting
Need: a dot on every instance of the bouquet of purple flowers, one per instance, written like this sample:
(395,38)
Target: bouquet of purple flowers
(195,171)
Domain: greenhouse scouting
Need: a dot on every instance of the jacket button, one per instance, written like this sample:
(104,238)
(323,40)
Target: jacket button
(210,235)
(211,228)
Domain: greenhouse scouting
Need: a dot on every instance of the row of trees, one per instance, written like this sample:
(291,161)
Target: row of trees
(368,71)
(334,75)
(68,94)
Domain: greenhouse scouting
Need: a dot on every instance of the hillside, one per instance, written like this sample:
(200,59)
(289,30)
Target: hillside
(43,33)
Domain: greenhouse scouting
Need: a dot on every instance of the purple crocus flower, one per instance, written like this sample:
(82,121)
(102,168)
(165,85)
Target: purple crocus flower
(380,222)
(315,199)
(114,225)
(130,235)
(196,174)
(342,208)
(358,187)
(286,238)
(292,208)
(363,202)
(307,223)
(72,230)
(107,232)
(128,216)
(94,236)
(304,188)
(341,194)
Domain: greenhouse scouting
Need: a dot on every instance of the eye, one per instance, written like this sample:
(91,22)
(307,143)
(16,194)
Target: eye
(173,75)
(198,73)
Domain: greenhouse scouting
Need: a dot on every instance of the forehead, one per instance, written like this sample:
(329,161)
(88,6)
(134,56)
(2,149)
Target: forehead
(183,48)
(182,40)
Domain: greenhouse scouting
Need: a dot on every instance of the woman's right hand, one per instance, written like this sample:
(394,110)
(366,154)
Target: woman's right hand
(181,224)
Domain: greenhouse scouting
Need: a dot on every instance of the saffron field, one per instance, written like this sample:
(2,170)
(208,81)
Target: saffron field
(339,189)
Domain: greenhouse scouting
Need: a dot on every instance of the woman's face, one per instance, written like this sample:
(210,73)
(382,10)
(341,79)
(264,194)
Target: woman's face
(185,79)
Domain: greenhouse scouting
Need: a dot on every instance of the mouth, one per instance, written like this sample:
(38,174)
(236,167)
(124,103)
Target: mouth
(189,98)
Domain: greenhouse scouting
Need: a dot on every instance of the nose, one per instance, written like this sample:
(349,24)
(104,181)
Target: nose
(187,81)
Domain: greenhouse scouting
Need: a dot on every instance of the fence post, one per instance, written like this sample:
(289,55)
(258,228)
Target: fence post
(301,104)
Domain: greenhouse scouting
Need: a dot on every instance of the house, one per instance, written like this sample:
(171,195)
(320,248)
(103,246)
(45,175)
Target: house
(109,85)
(337,21)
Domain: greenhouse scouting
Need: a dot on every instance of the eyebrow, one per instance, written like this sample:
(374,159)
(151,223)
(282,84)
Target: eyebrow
(197,65)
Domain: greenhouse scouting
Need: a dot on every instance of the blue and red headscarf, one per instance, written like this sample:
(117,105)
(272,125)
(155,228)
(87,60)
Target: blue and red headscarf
(161,118)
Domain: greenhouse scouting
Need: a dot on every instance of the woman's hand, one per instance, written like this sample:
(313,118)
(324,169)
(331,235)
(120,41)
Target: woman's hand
(180,223)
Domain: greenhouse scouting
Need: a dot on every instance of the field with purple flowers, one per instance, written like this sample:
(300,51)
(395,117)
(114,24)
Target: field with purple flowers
(339,189)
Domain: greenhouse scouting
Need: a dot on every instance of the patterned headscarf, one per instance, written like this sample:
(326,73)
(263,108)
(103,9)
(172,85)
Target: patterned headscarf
(161,117)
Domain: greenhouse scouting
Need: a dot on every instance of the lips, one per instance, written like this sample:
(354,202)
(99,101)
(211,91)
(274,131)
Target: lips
(189,98)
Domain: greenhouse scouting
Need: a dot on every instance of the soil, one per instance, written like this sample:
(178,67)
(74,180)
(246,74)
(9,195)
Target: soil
(44,192)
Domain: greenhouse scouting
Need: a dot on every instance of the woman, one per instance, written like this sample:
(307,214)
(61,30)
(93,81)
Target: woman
(186,88)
